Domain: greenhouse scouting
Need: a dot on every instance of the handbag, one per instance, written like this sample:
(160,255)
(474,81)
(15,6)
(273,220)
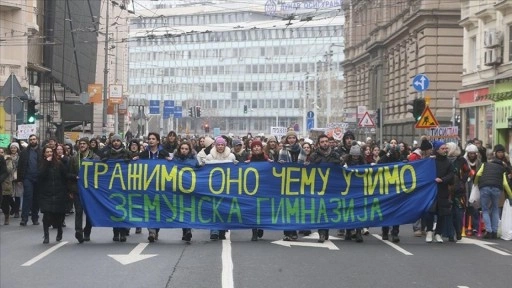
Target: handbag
(506,221)
(474,196)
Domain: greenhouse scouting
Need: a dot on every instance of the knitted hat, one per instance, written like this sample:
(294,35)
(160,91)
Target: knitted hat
(425,145)
(355,150)
(499,148)
(256,143)
(208,141)
(220,140)
(116,137)
(15,144)
(291,133)
(271,138)
(437,144)
(471,149)
(84,139)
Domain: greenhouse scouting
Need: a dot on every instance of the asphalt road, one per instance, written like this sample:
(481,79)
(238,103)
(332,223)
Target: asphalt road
(238,262)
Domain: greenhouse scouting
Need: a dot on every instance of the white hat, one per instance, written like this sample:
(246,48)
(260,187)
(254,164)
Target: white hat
(309,141)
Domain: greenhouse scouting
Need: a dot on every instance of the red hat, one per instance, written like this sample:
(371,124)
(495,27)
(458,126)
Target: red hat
(256,142)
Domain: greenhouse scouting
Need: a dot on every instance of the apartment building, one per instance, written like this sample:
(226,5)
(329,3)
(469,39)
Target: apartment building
(486,94)
(389,42)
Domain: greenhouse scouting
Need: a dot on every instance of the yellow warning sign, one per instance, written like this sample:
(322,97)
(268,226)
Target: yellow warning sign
(427,119)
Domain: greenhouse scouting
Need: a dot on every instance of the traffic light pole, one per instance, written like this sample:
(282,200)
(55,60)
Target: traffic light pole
(380,122)
(13,115)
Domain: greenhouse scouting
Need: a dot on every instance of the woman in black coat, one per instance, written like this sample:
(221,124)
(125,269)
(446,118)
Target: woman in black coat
(53,196)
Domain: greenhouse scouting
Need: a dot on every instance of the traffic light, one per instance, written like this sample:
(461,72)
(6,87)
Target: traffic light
(198,111)
(245,109)
(206,128)
(31,111)
(191,112)
(377,118)
(417,106)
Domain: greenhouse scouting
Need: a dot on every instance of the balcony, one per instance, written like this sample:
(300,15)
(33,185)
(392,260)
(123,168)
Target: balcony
(9,5)
(469,22)
(486,15)
(503,5)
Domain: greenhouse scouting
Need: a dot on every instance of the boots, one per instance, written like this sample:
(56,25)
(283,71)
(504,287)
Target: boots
(6,221)
(359,236)
(254,235)
(46,237)
(187,234)
(59,234)
(122,232)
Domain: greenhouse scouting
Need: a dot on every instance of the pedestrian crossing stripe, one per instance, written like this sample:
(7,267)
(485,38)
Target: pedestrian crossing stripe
(366,121)
(427,119)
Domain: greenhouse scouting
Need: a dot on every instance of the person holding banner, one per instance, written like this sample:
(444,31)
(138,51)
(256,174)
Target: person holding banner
(442,206)
(257,155)
(392,155)
(53,194)
(117,151)
(84,153)
(186,155)
(290,153)
(344,150)
(154,151)
(220,154)
(324,154)
(354,158)
(272,148)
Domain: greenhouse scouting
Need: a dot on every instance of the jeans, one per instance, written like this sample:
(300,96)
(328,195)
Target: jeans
(30,201)
(489,197)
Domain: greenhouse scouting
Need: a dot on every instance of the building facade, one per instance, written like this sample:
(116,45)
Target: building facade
(486,94)
(388,43)
(247,70)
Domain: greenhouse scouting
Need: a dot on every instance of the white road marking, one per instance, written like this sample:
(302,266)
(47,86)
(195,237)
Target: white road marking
(483,244)
(396,247)
(327,244)
(44,254)
(462,286)
(227,263)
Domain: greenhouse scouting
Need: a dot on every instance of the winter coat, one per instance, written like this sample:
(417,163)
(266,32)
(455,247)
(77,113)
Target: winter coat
(161,154)
(318,156)
(216,157)
(74,167)
(189,160)
(7,176)
(443,204)
(53,196)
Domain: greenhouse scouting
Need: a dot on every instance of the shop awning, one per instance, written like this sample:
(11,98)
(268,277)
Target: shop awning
(503,90)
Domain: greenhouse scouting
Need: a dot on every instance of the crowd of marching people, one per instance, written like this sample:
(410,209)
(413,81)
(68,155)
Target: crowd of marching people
(37,178)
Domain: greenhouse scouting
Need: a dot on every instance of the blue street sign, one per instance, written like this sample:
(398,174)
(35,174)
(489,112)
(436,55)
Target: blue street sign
(177,112)
(154,106)
(420,82)
(310,115)
(310,123)
(168,108)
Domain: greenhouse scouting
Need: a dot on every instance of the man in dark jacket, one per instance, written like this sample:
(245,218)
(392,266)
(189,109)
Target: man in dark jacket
(492,179)
(442,205)
(84,153)
(28,166)
(324,154)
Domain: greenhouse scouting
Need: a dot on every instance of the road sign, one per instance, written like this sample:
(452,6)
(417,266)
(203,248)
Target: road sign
(115,93)
(13,105)
(168,108)
(154,107)
(310,114)
(366,121)
(310,123)
(12,87)
(178,112)
(427,119)
(420,82)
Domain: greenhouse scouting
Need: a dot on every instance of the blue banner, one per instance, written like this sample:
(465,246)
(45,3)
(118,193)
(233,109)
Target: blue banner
(159,193)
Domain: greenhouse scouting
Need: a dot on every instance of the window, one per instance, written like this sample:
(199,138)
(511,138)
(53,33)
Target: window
(473,62)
